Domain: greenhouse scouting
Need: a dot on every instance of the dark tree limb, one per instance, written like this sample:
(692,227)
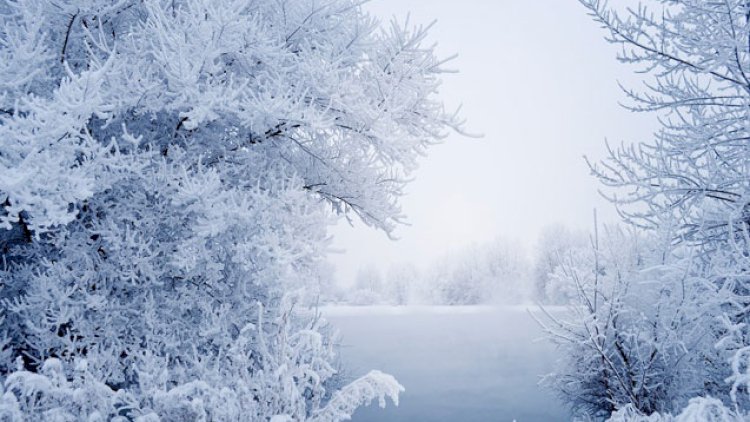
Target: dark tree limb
(67,37)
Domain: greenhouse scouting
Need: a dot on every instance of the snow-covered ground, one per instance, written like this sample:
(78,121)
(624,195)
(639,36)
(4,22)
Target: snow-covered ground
(466,364)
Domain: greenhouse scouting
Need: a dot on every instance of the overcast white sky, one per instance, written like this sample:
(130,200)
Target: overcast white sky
(539,81)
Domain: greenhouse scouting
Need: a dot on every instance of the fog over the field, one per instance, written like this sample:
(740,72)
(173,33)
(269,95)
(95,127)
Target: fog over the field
(539,82)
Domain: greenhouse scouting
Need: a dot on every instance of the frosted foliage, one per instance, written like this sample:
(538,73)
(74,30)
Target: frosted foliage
(556,243)
(168,171)
(349,113)
(630,414)
(692,180)
(640,332)
(697,55)
(680,317)
(298,365)
(700,409)
(360,392)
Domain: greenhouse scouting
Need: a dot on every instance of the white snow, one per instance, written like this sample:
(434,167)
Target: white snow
(463,363)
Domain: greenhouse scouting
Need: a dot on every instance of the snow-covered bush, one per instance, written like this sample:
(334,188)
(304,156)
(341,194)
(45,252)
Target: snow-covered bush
(640,332)
(396,288)
(167,174)
(699,409)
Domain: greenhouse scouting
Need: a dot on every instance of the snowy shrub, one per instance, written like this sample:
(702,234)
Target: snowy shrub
(629,413)
(709,410)
(168,170)
(699,409)
(640,331)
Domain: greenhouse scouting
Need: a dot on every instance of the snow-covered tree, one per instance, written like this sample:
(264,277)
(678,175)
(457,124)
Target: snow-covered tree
(368,288)
(506,271)
(457,278)
(690,188)
(369,278)
(693,179)
(697,53)
(492,272)
(401,283)
(167,174)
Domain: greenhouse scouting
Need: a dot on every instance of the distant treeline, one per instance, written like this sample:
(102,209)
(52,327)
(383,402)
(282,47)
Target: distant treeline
(498,272)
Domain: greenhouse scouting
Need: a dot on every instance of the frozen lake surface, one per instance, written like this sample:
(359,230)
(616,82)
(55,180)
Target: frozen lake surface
(467,364)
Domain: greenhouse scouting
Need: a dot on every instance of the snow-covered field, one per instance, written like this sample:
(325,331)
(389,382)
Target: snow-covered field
(466,364)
